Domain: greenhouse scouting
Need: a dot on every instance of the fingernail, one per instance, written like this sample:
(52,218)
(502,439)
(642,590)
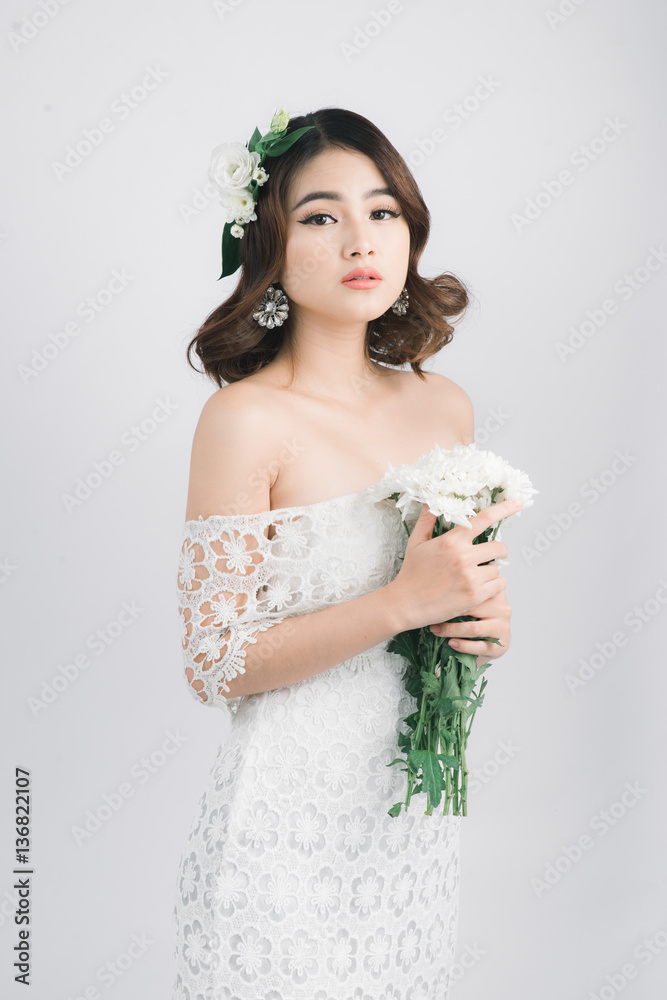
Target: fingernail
(454,642)
(435,629)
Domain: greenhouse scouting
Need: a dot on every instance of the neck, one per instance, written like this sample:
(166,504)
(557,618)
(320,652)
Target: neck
(327,357)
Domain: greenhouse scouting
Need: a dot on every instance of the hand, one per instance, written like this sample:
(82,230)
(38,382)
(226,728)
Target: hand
(448,576)
(494,620)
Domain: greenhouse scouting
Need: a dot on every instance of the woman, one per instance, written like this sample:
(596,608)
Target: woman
(295,882)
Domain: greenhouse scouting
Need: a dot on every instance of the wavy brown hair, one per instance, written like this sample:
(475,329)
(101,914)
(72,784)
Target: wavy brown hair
(231,345)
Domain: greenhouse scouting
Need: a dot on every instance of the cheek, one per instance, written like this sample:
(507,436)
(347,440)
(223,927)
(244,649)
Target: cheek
(402,239)
(308,256)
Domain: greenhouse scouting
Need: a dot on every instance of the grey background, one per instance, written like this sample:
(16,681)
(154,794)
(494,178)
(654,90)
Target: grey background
(565,419)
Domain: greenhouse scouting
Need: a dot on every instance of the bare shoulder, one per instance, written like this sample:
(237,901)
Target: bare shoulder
(452,403)
(230,468)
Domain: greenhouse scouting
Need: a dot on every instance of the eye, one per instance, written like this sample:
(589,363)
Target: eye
(327,215)
(389,211)
(317,215)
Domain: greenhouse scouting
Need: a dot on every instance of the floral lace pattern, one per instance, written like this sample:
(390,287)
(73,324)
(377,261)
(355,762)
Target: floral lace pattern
(294,882)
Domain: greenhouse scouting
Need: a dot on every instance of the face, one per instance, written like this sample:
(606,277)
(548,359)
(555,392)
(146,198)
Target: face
(349,224)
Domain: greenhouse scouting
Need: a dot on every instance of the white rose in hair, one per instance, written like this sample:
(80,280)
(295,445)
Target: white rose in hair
(232,166)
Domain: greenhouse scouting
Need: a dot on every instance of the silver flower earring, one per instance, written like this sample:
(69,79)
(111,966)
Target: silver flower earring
(273,308)
(400,306)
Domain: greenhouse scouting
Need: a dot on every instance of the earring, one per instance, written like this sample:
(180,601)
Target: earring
(273,308)
(400,306)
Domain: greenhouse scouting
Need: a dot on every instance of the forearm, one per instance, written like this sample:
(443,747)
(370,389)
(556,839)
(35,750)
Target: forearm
(309,644)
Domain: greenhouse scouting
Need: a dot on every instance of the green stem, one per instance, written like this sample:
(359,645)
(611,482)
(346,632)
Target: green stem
(448,783)
(496,529)
(415,746)
(411,779)
(462,762)
(420,724)
(472,714)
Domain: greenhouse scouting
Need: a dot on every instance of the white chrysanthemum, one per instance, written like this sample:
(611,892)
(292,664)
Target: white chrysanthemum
(240,206)
(484,499)
(453,509)
(260,175)
(237,231)
(455,483)
(517,486)
(232,166)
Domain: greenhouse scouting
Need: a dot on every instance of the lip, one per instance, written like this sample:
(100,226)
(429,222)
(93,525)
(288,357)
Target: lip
(369,273)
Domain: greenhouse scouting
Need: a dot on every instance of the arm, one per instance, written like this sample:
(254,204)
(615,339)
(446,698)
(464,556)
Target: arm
(233,645)
(228,652)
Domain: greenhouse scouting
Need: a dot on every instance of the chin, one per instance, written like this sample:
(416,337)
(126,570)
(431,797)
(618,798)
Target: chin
(368,306)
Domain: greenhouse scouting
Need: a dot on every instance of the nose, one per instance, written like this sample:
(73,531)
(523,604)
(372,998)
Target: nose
(357,240)
(359,248)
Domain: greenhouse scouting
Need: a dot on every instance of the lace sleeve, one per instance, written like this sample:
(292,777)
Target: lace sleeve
(224,564)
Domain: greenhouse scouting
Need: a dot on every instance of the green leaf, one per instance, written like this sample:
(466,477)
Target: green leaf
(231,257)
(476,702)
(432,777)
(469,660)
(430,683)
(483,668)
(274,147)
(398,760)
(415,759)
(449,737)
(413,683)
(404,741)
(405,643)
(450,685)
(254,139)
(446,706)
(395,809)
(454,690)
(448,761)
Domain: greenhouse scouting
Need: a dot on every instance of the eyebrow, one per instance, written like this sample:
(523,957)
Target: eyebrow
(334,196)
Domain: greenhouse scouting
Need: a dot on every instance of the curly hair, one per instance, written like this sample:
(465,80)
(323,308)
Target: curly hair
(231,345)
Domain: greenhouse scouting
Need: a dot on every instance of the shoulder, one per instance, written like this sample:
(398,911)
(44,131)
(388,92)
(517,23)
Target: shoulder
(237,405)
(233,421)
(453,404)
(231,468)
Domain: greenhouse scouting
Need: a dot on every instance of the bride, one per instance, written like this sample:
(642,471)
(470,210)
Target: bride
(294,881)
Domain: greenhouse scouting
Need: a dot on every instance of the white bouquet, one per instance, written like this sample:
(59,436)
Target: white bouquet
(456,484)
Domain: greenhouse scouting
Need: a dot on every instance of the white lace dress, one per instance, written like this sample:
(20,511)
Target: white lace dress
(294,882)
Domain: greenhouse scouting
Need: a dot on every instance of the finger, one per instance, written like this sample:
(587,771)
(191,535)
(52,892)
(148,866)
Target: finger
(464,630)
(494,512)
(469,630)
(423,528)
(485,649)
